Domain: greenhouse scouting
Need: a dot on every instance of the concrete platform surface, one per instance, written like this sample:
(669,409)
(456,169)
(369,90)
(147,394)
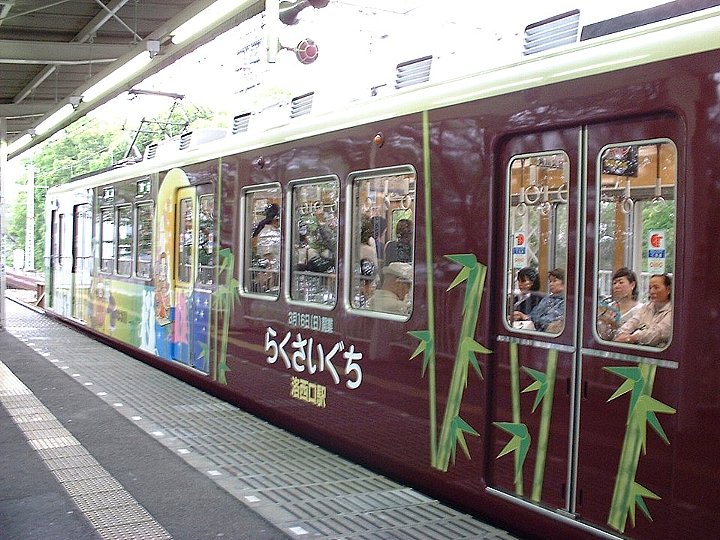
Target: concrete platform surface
(95,444)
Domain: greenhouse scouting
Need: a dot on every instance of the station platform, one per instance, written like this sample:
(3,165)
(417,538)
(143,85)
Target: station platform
(95,444)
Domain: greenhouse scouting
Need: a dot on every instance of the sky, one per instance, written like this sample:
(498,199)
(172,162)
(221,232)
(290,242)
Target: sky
(360,42)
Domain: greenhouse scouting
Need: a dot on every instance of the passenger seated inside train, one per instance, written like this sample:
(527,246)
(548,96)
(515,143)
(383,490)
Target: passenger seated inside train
(368,259)
(392,296)
(400,249)
(266,249)
(615,311)
(549,314)
(527,295)
(651,324)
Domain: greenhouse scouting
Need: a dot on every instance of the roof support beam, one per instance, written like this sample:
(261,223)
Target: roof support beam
(34,108)
(110,11)
(84,35)
(46,52)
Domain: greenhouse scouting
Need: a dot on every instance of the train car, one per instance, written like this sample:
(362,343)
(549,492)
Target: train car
(359,277)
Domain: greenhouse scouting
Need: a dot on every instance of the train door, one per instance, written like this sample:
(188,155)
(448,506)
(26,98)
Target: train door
(623,478)
(54,263)
(532,409)
(194,274)
(61,277)
(578,205)
(81,260)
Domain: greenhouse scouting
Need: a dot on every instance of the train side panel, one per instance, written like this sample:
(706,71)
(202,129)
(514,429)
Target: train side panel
(559,427)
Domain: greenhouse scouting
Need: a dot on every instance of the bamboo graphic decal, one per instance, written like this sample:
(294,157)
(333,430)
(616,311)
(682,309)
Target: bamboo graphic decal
(454,427)
(515,393)
(544,385)
(519,444)
(222,311)
(642,410)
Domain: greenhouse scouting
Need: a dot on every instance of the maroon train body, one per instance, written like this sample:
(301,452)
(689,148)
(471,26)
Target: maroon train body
(582,165)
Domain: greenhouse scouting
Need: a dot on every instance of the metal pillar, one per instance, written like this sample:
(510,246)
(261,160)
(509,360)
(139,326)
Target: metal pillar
(3,173)
(30,221)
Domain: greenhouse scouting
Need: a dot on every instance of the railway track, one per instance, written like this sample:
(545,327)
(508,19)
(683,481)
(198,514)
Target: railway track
(27,287)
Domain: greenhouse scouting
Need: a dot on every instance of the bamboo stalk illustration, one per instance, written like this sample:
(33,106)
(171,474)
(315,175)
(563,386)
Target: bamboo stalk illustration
(430,365)
(454,427)
(515,396)
(545,386)
(226,294)
(642,410)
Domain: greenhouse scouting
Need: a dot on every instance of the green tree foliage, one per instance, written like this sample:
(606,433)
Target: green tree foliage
(87,146)
(167,126)
(78,150)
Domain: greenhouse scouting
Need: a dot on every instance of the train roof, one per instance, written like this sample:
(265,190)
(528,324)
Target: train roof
(691,33)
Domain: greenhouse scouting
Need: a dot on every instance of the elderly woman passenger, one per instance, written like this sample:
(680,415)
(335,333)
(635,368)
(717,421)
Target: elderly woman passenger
(391,297)
(652,323)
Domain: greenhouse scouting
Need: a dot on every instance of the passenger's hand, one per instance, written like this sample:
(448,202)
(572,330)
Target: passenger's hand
(624,337)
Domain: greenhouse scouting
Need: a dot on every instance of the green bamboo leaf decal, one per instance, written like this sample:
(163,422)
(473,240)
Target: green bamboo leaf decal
(425,346)
(643,409)
(540,384)
(639,493)
(462,276)
(468,273)
(634,382)
(204,353)
(473,273)
(469,347)
(460,427)
(519,443)
(644,413)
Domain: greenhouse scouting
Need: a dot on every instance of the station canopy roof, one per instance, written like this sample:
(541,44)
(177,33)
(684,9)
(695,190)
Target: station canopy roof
(53,54)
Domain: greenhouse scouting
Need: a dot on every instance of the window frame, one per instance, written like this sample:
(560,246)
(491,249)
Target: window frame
(352,222)
(179,232)
(245,239)
(136,259)
(634,248)
(111,264)
(510,271)
(129,257)
(210,248)
(291,222)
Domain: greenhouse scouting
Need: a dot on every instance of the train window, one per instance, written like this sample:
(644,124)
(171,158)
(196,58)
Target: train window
(60,239)
(124,240)
(636,242)
(185,240)
(262,232)
(107,240)
(206,240)
(314,241)
(536,253)
(54,243)
(82,238)
(381,242)
(144,239)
